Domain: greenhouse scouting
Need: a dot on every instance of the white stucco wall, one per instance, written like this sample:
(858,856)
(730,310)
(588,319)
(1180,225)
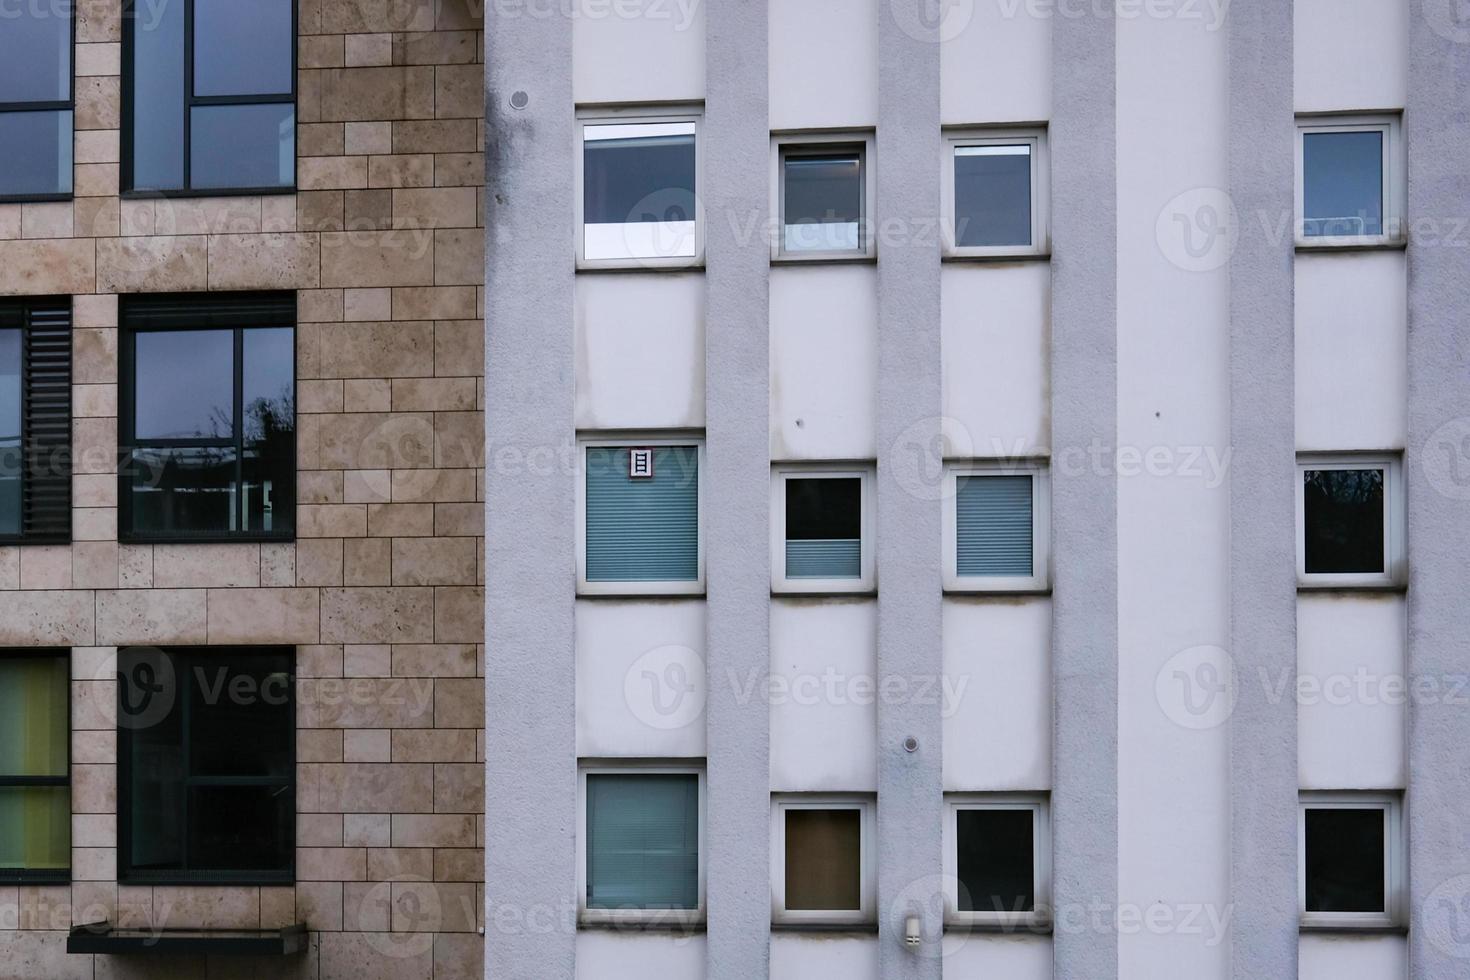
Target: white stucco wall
(1348,957)
(980,954)
(824,64)
(604,954)
(796,956)
(1351,54)
(635,50)
(995,64)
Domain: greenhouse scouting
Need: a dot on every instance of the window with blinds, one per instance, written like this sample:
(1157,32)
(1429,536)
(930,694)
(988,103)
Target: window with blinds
(642,523)
(35,788)
(642,841)
(993,530)
(35,420)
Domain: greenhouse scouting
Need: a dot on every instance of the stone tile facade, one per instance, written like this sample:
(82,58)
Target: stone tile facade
(381,593)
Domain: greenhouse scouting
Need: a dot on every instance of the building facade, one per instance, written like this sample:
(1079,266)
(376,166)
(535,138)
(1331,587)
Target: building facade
(978,483)
(256,229)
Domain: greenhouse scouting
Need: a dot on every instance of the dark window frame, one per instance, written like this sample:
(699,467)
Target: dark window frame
(56,105)
(19,312)
(213,315)
(126,873)
(192,101)
(58,876)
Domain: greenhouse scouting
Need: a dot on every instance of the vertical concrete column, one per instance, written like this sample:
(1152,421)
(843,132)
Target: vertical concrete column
(736,196)
(1262,474)
(530,744)
(1084,364)
(1437,474)
(910,778)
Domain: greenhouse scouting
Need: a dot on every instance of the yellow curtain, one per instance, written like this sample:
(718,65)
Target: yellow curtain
(33,742)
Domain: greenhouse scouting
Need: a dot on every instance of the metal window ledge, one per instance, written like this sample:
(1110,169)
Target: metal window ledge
(103,937)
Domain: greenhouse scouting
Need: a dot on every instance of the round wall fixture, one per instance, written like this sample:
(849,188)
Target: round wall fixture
(911,744)
(519,100)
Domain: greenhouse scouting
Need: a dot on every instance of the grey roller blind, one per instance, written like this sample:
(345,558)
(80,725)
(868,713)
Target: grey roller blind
(643,529)
(643,841)
(993,525)
(832,558)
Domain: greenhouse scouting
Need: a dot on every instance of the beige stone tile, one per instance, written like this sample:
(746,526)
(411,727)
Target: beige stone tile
(458,956)
(263,616)
(94,401)
(94,355)
(367,660)
(365,702)
(319,211)
(460,15)
(151,616)
(137,218)
(98,20)
(459,703)
(400,862)
(277,907)
(320,51)
(331,863)
(434,745)
(206,566)
(331,172)
(49,266)
(459,439)
(161,264)
(367,395)
(319,561)
(456,519)
(317,140)
(65,618)
(206,907)
(94,702)
(459,788)
(93,901)
(94,524)
(434,303)
(278,213)
(400,520)
(319,396)
(354,94)
(99,103)
(331,521)
(277,565)
(430,485)
(364,787)
(367,829)
(96,216)
(319,660)
(317,306)
(433,561)
(95,180)
(375,440)
(319,487)
(367,561)
(94,788)
(376,615)
(369,50)
(368,138)
(401,170)
(366,906)
(367,486)
(434,207)
(367,304)
(135,566)
(10,568)
(94,830)
(459,91)
(207,215)
(459,257)
(319,745)
(459,346)
(460,170)
(374,956)
(94,564)
(93,863)
(435,136)
(10,221)
(93,312)
(452,906)
(94,445)
(433,394)
(436,48)
(319,905)
(433,830)
(134,906)
(354,259)
(319,830)
(372,210)
(459,864)
(361,16)
(367,745)
(51,219)
(278,261)
(45,567)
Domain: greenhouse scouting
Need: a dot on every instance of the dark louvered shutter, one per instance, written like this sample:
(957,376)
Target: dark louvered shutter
(46,421)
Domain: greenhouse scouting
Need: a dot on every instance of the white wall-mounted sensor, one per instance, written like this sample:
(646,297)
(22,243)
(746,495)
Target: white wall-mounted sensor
(911,935)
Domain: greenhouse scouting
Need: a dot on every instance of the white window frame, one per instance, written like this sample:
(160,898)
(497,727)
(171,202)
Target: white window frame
(784,144)
(1395,859)
(640,116)
(1394,191)
(676,918)
(651,588)
(867,577)
(1036,138)
(1040,578)
(1039,805)
(1394,573)
(867,808)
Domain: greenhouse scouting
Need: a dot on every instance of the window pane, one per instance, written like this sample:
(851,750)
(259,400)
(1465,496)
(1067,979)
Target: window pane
(643,841)
(824,527)
(644,529)
(241,717)
(242,146)
(35,828)
(993,525)
(34,719)
(10,457)
(158,96)
(241,828)
(995,860)
(35,48)
(823,202)
(35,152)
(270,423)
(182,491)
(992,195)
(1342,183)
(1343,513)
(1345,860)
(242,47)
(150,731)
(184,384)
(638,174)
(824,860)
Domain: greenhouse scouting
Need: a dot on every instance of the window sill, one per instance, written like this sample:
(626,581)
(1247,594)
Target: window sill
(17,877)
(1307,585)
(1042,256)
(1030,925)
(125,538)
(836,930)
(33,540)
(651,266)
(682,924)
(983,592)
(1339,927)
(153,195)
(242,880)
(1351,245)
(34,198)
(829,259)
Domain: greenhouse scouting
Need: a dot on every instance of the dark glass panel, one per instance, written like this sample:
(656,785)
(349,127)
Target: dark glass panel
(992,195)
(1342,183)
(242,146)
(183,491)
(824,860)
(184,384)
(1343,514)
(824,508)
(1345,850)
(996,860)
(158,96)
(35,52)
(242,47)
(11,463)
(35,152)
(646,178)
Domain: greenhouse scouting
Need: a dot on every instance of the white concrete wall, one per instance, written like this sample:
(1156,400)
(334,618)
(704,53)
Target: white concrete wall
(824,64)
(604,954)
(1351,351)
(1349,957)
(1351,54)
(640,351)
(824,717)
(635,50)
(799,956)
(996,336)
(640,678)
(824,362)
(972,955)
(1352,690)
(995,64)
(997,690)
(1173,545)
